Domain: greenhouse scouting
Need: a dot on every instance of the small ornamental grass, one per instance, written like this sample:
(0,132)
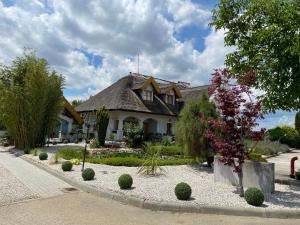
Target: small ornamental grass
(43,156)
(88,174)
(66,166)
(125,181)
(254,196)
(183,191)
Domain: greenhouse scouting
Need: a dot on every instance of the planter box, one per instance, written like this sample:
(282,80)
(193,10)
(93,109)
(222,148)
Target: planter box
(255,174)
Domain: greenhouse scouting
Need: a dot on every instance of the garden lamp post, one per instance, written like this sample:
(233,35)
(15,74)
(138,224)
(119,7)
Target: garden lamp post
(87,124)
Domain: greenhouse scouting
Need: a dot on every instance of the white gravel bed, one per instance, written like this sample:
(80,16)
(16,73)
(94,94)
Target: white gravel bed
(11,189)
(161,188)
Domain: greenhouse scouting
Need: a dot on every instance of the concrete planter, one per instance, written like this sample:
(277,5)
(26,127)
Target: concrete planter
(256,174)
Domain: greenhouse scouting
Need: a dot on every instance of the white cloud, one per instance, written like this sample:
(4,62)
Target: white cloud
(116,31)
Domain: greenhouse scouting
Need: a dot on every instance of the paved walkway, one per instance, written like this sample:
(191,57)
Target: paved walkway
(35,179)
(282,163)
(82,208)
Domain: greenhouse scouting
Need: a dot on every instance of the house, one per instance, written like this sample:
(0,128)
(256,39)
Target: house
(68,124)
(149,102)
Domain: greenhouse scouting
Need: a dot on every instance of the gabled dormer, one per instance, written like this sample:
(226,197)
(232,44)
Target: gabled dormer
(170,93)
(148,89)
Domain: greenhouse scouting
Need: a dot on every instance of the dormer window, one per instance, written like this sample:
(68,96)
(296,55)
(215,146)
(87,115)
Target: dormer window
(148,95)
(170,99)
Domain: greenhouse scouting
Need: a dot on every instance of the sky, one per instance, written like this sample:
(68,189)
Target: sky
(94,43)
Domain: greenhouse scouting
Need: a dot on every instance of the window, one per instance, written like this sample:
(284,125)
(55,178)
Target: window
(170,99)
(148,95)
(169,128)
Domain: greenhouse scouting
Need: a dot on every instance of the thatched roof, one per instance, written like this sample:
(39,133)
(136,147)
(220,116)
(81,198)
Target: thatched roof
(124,95)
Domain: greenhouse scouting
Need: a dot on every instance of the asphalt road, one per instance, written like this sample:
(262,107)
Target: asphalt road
(79,208)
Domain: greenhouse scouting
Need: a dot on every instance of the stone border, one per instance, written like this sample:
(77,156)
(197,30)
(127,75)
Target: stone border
(169,206)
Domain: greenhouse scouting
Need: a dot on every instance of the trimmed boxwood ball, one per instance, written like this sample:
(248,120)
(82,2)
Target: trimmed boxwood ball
(43,156)
(297,175)
(88,174)
(125,181)
(183,191)
(254,196)
(66,166)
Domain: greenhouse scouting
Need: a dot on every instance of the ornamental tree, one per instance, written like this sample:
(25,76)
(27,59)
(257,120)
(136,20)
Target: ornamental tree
(102,119)
(238,117)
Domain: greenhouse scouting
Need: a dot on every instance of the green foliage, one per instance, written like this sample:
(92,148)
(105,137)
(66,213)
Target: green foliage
(297,122)
(70,153)
(75,161)
(256,157)
(102,119)
(165,141)
(125,181)
(265,36)
(183,191)
(285,135)
(151,164)
(35,151)
(66,141)
(67,166)
(189,130)
(31,100)
(119,159)
(169,150)
(297,175)
(76,102)
(133,135)
(43,156)
(88,174)
(254,196)
(94,143)
(267,148)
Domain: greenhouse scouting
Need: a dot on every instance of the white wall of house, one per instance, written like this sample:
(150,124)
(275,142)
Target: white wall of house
(117,117)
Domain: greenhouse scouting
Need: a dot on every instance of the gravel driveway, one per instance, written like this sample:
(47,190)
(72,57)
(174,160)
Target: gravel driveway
(11,189)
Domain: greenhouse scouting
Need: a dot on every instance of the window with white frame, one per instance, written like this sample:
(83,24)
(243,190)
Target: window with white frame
(148,95)
(170,99)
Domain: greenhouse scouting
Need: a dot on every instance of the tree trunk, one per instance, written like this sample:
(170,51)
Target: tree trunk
(240,187)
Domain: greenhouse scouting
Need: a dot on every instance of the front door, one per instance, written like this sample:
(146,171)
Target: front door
(146,130)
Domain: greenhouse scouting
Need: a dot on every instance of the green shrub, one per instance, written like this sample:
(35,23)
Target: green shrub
(66,166)
(169,150)
(256,157)
(94,143)
(66,141)
(125,181)
(165,141)
(183,191)
(35,151)
(54,142)
(254,196)
(88,174)
(297,122)
(102,119)
(285,135)
(267,148)
(43,156)
(75,161)
(297,175)
(133,135)
(71,153)
(6,144)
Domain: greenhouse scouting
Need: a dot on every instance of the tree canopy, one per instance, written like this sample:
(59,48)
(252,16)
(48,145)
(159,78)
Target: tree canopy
(189,129)
(31,99)
(266,36)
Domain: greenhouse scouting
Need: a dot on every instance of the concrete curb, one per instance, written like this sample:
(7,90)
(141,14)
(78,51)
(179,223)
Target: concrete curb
(170,206)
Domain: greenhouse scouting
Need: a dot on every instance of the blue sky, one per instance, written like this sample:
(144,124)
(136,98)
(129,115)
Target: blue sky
(94,43)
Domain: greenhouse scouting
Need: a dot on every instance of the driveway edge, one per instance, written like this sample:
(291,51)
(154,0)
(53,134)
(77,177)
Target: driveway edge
(169,206)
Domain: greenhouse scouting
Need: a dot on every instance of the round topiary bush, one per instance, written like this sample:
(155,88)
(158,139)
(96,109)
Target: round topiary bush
(88,174)
(125,181)
(43,156)
(254,196)
(183,191)
(66,166)
(297,175)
